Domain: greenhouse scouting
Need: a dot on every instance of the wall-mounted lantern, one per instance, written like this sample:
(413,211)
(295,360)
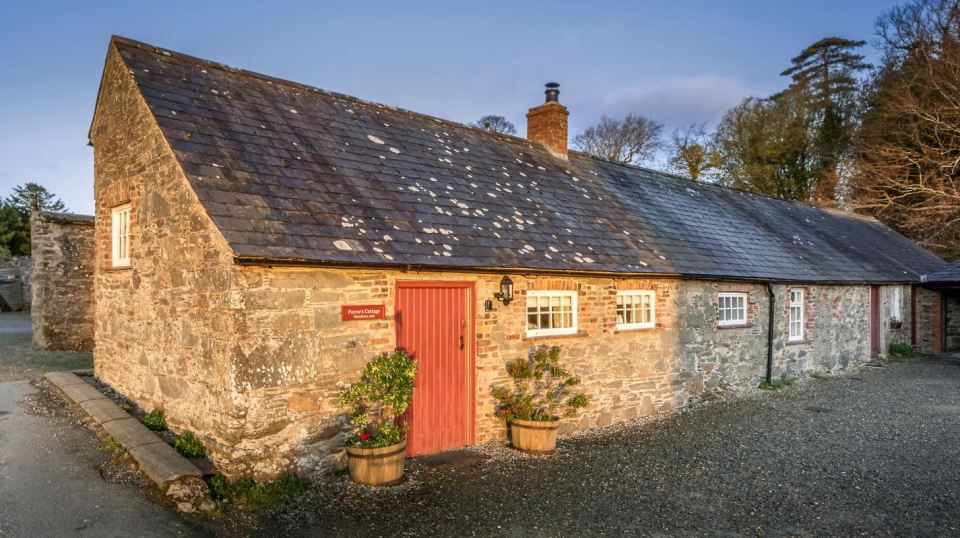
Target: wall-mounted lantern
(505,295)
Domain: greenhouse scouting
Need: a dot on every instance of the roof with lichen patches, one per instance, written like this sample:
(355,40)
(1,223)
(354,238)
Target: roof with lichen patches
(294,174)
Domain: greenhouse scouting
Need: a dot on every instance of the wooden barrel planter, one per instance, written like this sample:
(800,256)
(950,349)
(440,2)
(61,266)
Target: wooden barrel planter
(534,437)
(377,466)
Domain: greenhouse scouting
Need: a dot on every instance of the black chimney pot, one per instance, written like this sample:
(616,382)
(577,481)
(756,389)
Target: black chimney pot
(553,92)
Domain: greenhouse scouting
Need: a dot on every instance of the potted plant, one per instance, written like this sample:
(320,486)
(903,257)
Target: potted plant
(540,394)
(375,448)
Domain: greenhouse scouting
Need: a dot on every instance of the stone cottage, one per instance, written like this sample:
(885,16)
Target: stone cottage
(258,240)
(939,313)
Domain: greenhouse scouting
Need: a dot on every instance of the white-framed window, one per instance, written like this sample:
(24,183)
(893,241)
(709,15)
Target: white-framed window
(551,313)
(636,309)
(120,227)
(795,324)
(732,308)
(896,303)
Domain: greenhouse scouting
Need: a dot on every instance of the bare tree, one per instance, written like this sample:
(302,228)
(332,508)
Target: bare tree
(633,139)
(692,151)
(496,124)
(908,151)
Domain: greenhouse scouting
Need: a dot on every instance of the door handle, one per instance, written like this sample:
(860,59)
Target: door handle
(461,342)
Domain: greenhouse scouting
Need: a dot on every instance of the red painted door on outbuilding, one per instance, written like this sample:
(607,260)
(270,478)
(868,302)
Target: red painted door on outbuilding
(874,321)
(435,325)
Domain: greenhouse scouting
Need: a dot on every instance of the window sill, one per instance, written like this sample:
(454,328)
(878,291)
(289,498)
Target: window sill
(737,326)
(634,329)
(797,342)
(118,269)
(577,334)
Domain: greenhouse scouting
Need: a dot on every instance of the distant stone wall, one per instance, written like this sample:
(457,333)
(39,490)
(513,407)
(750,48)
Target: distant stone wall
(929,321)
(62,288)
(951,321)
(24,265)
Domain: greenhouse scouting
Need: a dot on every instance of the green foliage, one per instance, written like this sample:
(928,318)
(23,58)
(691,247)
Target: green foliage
(115,447)
(901,350)
(249,495)
(155,420)
(541,388)
(31,197)
(777,384)
(378,399)
(189,445)
(126,407)
(14,232)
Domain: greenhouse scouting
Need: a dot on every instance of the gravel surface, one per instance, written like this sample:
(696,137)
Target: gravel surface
(873,452)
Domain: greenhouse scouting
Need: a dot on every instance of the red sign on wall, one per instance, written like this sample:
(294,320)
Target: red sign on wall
(362,312)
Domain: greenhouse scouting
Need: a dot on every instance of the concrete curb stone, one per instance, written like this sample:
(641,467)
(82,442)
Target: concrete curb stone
(158,460)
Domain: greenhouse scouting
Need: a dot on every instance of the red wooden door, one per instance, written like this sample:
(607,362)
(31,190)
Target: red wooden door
(874,321)
(434,324)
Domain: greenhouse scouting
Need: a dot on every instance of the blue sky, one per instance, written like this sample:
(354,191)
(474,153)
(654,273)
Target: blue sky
(678,62)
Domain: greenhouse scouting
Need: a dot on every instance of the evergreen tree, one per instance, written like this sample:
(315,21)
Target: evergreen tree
(824,75)
(31,197)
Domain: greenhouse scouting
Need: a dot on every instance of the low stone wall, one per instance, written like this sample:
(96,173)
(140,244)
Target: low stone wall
(24,266)
(62,289)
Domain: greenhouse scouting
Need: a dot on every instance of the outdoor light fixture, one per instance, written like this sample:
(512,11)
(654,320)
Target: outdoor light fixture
(505,295)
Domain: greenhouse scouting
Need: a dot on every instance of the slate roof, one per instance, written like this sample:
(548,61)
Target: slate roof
(291,173)
(948,275)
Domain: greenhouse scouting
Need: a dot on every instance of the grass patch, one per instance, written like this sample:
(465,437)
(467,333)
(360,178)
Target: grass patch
(114,447)
(247,494)
(902,351)
(776,384)
(155,420)
(189,445)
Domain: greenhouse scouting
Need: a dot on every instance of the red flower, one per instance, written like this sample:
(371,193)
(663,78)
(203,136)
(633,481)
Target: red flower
(364,436)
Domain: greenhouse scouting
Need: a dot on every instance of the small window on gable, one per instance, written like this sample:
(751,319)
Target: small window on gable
(732,308)
(896,303)
(120,226)
(635,310)
(796,316)
(551,313)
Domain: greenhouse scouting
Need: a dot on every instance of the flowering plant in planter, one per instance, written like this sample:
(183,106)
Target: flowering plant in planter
(541,389)
(378,399)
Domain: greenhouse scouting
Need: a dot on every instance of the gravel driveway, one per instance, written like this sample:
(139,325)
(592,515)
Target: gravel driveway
(874,452)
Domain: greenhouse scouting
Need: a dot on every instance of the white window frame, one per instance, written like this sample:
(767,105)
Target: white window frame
(720,307)
(896,304)
(120,235)
(536,296)
(796,316)
(650,296)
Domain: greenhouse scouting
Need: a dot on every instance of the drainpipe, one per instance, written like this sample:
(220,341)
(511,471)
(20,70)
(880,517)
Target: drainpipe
(772,301)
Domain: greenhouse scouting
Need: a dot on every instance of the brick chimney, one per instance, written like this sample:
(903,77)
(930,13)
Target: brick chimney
(547,123)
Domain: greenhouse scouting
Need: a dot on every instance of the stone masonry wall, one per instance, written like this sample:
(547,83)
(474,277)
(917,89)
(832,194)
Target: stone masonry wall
(164,336)
(63,307)
(24,266)
(929,336)
(951,321)
(293,354)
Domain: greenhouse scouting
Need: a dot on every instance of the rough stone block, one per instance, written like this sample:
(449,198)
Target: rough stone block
(103,410)
(81,392)
(162,464)
(130,433)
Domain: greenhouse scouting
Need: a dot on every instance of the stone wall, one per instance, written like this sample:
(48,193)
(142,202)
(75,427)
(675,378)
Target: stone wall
(164,337)
(62,304)
(951,320)
(24,266)
(929,321)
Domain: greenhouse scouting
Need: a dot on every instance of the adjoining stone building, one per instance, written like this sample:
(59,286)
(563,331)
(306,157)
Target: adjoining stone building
(62,312)
(940,311)
(259,240)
